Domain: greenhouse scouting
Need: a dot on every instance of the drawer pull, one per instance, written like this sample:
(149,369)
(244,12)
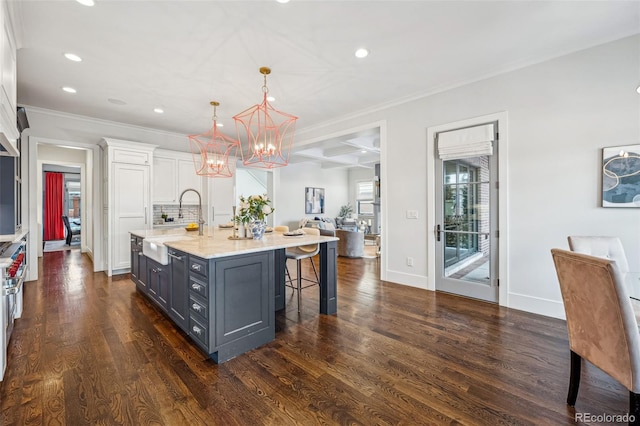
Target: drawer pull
(140,253)
(195,266)
(196,307)
(196,287)
(197,330)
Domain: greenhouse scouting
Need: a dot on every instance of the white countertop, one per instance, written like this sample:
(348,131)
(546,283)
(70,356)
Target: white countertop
(14,238)
(215,241)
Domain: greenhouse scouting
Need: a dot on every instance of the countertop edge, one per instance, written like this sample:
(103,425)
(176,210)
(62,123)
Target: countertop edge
(215,242)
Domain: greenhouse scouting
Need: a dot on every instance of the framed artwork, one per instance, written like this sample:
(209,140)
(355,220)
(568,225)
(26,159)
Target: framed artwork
(621,176)
(313,200)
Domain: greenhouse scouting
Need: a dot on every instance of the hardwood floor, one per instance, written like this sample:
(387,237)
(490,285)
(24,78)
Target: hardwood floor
(90,350)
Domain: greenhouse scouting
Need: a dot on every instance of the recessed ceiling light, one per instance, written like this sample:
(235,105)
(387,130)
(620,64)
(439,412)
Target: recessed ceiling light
(69,89)
(282,1)
(86,2)
(638,89)
(73,57)
(116,101)
(271,98)
(364,151)
(362,53)
(158,110)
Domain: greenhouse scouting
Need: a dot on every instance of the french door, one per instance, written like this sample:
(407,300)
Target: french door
(466,226)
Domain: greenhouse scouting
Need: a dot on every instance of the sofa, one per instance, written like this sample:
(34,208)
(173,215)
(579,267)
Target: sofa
(329,223)
(351,243)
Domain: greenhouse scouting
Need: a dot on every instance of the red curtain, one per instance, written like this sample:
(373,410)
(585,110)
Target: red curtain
(53,200)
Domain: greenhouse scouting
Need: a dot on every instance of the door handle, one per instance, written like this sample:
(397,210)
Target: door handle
(438,231)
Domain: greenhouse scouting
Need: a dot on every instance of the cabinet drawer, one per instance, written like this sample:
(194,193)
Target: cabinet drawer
(199,266)
(199,287)
(198,332)
(198,306)
(131,157)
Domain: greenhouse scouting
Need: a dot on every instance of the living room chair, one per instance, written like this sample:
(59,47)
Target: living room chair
(70,231)
(298,254)
(351,243)
(607,247)
(600,320)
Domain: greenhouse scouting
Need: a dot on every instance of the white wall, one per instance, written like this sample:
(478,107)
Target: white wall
(561,114)
(53,125)
(290,184)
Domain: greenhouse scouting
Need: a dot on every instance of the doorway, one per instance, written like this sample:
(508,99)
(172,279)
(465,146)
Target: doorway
(68,217)
(467,208)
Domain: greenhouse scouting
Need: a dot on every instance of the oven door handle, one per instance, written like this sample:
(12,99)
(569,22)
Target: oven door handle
(14,289)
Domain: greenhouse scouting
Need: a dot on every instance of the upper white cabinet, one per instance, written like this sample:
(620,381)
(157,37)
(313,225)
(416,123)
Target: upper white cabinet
(8,83)
(127,198)
(173,172)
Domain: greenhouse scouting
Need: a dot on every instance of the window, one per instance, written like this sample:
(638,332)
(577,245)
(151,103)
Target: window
(364,190)
(364,196)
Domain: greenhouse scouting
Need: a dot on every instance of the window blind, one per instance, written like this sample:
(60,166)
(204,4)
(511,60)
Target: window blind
(465,143)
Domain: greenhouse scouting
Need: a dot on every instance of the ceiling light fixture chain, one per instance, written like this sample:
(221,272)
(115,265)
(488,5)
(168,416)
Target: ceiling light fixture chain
(265,71)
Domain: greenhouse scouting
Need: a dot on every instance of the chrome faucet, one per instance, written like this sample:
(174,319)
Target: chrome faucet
(200,220)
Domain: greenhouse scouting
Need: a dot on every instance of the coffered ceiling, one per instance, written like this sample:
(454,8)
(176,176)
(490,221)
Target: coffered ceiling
(180,55)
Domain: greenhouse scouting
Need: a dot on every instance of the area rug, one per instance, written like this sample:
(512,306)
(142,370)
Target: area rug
(60,245)
(370,252)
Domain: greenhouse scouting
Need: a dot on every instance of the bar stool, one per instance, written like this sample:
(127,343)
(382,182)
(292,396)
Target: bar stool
(299,253)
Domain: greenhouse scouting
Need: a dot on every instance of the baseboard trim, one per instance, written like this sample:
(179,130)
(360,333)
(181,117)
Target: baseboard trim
(403,278)
(536,305)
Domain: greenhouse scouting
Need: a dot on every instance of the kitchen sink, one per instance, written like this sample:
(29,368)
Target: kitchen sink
(155,248)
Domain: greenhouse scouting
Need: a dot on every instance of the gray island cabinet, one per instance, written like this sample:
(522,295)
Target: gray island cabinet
(224,293)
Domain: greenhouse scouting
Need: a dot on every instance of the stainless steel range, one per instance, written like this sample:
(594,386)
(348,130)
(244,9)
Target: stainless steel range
(13,266)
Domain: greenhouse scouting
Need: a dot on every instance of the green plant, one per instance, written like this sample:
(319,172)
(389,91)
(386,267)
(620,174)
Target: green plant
(254,207)
(345,210)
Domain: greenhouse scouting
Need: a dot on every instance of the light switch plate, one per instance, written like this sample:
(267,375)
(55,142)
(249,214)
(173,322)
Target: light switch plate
(412,214)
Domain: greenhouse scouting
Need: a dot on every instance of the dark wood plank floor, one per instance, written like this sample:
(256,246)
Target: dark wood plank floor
(90,350)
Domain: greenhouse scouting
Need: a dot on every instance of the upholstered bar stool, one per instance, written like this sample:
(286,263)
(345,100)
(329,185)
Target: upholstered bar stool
(299,253)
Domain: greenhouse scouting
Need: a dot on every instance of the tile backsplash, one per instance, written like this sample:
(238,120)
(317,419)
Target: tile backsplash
(189,213)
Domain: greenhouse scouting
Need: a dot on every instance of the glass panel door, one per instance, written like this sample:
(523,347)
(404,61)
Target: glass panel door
(466,218)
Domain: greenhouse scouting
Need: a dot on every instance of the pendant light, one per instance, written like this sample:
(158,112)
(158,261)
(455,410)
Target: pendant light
(268,133)
(212,151)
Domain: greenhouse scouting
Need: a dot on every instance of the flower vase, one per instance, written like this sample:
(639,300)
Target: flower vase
(241,231)
(257,229)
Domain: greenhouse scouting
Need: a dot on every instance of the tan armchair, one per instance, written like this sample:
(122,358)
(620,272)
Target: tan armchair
(600,320)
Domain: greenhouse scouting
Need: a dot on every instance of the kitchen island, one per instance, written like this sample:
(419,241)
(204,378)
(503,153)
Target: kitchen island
(224,293)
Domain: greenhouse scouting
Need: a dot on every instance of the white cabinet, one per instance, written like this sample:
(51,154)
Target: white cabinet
(127,177)
(173,172)
(8,83)
(165,180)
